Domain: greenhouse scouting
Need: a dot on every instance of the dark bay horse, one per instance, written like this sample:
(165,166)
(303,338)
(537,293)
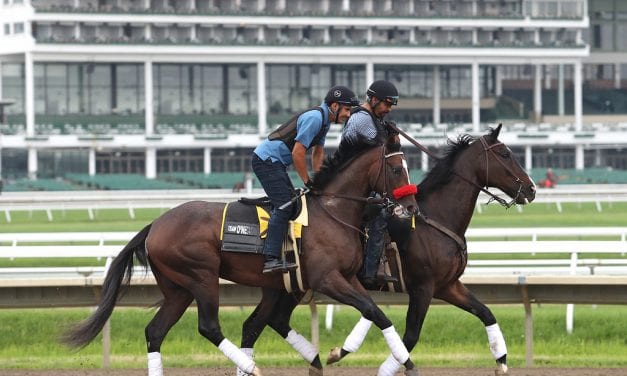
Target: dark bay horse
(432,260)
(182,247)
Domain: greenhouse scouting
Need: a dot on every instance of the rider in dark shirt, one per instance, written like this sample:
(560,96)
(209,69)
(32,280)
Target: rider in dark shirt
(366,125)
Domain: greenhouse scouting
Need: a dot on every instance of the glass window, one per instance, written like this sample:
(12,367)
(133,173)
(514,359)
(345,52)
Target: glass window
(242,90)
(168,78)
(76,88)
(129,88)
(39,71)
(621,32)
(56,89)
(602,36)
(18,28)
(99,82)
(13,87)
(7,29)
(211,91)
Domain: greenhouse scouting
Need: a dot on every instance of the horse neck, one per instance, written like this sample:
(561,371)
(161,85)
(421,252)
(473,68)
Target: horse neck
(453,204)
(353,182)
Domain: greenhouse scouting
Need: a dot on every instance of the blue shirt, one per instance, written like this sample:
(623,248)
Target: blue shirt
(308,126)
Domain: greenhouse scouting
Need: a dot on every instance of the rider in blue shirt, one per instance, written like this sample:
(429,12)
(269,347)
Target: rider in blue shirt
(288,145)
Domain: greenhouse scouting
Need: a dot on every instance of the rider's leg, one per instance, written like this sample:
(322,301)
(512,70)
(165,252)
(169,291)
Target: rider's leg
(374,248)
(278,186)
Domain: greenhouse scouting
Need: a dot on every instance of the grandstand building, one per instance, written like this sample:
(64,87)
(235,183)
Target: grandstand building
(155,87)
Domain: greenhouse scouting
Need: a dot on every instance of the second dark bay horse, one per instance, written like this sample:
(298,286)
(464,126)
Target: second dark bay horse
(182,247)
(433,260)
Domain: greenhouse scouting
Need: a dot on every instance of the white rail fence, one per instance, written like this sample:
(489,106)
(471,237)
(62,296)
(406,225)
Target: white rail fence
(92,201)
(551,271)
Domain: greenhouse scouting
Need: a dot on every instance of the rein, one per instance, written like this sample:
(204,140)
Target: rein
(367,200)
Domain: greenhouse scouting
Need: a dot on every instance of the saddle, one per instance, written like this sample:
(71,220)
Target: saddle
(245,226)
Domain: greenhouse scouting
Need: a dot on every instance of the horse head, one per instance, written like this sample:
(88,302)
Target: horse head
(392,178)
(499,168)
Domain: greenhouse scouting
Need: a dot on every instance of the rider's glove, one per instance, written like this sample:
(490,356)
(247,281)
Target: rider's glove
(309,184)
(388,124)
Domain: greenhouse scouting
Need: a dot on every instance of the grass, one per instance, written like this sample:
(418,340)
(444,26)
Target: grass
(450,338)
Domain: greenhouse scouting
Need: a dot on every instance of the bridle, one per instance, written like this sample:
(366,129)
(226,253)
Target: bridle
(490,149)
(383,200)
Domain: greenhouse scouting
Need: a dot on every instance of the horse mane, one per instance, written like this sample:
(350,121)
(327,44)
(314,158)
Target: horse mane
(343,156)
(442,172)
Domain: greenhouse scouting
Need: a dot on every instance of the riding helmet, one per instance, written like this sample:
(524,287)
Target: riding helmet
(383,90)
(341,94)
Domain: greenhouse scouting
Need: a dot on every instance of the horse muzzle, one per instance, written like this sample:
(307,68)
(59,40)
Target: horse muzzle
(526,194)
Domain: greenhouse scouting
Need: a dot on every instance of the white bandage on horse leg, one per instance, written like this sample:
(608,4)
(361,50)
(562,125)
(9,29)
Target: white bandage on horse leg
(496,340)
(305,348)
(389,367)
(396,345)
(155,366)
(250,353)
(237,356)
(357,335)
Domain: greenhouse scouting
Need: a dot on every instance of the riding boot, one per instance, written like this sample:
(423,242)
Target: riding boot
(273,263)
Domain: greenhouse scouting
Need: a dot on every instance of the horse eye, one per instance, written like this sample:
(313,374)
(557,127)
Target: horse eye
(505,154)
(397,170)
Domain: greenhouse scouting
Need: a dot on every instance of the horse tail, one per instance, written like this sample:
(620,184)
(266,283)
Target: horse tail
(116,281)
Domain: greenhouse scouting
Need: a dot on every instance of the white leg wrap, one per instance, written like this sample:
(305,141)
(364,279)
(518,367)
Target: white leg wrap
(396,345)
(389,367)
(496,340)
(237,356)
(250,353)
(305,348)
(357,335)
(155,366)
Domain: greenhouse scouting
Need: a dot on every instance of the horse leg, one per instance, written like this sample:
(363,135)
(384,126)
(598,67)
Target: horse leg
(275,310)
(172,308)
(419,301)
(458,295)
(353,293)
(280,322)
(206,295)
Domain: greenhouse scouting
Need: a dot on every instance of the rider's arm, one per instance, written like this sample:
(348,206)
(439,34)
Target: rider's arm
(300,163)
(317,157)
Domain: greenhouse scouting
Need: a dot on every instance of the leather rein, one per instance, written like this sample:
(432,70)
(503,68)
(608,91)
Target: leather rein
(368,200)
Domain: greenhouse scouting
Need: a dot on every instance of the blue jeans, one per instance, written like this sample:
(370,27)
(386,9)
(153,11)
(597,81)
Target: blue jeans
(377,227)
(278,186)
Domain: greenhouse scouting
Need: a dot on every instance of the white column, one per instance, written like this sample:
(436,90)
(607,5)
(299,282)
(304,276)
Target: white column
(476,100)
(498,81)
(578,97)
(0,82)
(149,116)
(410,8)
(324,6)
(560,90)
(616,76)
(207,161)
(424,162)
(30,96)
(528,158)
(346,5)
(92,162)
(474,7)
(368,6)
(369,73)
(579,161)
(32,163)
(151,163)
(537,93)
(262,122)
(436,94)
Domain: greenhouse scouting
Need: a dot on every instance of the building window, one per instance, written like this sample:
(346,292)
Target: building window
(18,28)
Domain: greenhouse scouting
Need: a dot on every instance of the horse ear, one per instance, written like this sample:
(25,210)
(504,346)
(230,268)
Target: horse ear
(495,132)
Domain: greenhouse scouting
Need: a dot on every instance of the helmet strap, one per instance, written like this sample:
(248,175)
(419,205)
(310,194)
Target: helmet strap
(331,112)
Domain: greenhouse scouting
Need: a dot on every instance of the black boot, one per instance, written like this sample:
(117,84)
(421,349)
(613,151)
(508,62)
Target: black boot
(273,263)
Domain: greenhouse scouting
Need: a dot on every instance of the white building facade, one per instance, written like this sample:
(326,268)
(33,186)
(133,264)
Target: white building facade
(158,86)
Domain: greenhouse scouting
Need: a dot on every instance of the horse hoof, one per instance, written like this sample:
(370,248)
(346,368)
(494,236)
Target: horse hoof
(256,372)
(335,355)
(411,372)
(313,371)
(501,369)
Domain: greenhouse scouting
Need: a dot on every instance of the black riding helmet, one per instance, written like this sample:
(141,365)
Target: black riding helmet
(384,91)
(342,95)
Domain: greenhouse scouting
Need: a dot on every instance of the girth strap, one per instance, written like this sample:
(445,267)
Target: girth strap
(438,226)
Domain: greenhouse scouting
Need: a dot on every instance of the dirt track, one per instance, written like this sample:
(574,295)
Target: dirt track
(331,371)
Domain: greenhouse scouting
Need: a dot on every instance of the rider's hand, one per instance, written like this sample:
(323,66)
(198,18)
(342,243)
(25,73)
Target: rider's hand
(388,124)
(309,184)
